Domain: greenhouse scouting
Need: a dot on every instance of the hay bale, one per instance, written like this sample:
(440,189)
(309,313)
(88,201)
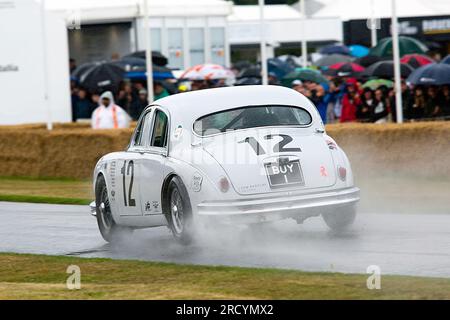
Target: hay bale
(71,150)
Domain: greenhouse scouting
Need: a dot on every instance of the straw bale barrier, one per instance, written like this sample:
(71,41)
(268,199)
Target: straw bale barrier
(71,150)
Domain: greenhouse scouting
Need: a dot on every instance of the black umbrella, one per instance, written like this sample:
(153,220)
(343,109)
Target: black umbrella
(81,69)
(251,72)
(130,63)
(157,57)
(102,76)
(335,49)
(248,81)
(385,70)
(242,64)
(436,74)
(368,60)
(331,59)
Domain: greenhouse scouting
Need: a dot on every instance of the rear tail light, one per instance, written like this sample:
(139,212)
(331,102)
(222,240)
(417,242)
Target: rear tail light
(342,173)
(224,184)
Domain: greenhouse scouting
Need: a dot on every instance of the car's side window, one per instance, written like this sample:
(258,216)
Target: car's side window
(141,129)
(138,133)
(159,133)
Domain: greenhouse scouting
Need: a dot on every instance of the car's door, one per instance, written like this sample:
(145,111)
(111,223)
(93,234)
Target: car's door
(128,175)
(153,169)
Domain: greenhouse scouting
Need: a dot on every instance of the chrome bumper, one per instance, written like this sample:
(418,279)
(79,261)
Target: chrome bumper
(92,208)
(271,209)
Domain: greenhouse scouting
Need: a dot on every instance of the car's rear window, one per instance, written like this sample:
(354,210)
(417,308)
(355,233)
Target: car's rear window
(251,117)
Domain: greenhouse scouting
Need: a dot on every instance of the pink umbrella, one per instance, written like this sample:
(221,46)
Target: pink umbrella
(207,72)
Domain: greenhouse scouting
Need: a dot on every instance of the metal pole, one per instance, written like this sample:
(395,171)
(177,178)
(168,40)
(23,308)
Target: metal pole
(45,62)
(263,49)
(148,54)
(304,43)
(397,74)
(373,24)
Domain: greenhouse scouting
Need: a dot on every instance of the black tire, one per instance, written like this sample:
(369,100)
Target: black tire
(178,211)
(341,218)
(109,230)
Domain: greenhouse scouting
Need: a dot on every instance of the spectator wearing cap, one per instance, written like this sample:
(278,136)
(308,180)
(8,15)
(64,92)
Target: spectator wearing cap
(138,105)
(297,85)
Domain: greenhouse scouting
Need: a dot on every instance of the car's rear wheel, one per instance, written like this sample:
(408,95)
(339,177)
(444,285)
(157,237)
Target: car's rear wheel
(109,230)
(341,218)
(178,211)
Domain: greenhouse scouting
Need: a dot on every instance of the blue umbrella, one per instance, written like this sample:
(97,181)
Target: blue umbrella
(335,49)
(159,73)
(433,74)
(358,51)
(446,60)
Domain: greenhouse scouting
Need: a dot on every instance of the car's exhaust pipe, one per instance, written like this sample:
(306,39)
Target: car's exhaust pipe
(93,208)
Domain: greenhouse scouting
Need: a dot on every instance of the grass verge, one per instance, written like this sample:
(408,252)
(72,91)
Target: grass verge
(54,191)
(44,277)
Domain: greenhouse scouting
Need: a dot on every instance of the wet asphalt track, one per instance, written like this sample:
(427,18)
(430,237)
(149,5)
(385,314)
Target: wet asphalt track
(407,244)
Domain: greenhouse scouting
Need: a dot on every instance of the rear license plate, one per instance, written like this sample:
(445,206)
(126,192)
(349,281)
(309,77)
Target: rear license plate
(284,173)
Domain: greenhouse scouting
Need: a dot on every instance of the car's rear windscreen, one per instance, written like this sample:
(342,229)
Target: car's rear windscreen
(251,117)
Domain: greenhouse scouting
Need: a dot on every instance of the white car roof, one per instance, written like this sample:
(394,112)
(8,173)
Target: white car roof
(185,108)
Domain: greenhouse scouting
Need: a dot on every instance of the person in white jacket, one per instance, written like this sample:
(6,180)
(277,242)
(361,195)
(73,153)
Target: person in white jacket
(108,115)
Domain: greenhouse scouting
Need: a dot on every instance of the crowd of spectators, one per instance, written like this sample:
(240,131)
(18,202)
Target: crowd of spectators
(345,100)
(337,100)
(132,97)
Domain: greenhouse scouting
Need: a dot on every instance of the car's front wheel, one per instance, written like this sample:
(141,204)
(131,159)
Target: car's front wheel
(178,211)
(109,230)
(341,218)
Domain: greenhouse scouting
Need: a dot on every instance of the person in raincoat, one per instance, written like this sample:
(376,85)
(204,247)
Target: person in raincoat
(108,115)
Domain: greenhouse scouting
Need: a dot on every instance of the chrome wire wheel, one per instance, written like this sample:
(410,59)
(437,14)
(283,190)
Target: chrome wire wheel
(176,211)
(105,210)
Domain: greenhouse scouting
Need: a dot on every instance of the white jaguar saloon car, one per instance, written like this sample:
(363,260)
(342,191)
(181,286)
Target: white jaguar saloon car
(236,155)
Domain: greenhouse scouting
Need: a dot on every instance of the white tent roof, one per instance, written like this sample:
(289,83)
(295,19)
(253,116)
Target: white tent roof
(112,9)
(361,9)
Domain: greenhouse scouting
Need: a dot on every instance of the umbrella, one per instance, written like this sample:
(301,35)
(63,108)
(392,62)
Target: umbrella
(407,45)
(303,74)
(335,49)
(368,60)
(207,71)
(385,69)
(431,74)
(81,69)
(416,60)
(248,81)
(130,63)
(345,69)
(446,60)
(358,51)
(242,64)
(292,60)
(102,76)
(278,67)
(251,72)
(331,59)
(159,73)
(376,83)
(157,57)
